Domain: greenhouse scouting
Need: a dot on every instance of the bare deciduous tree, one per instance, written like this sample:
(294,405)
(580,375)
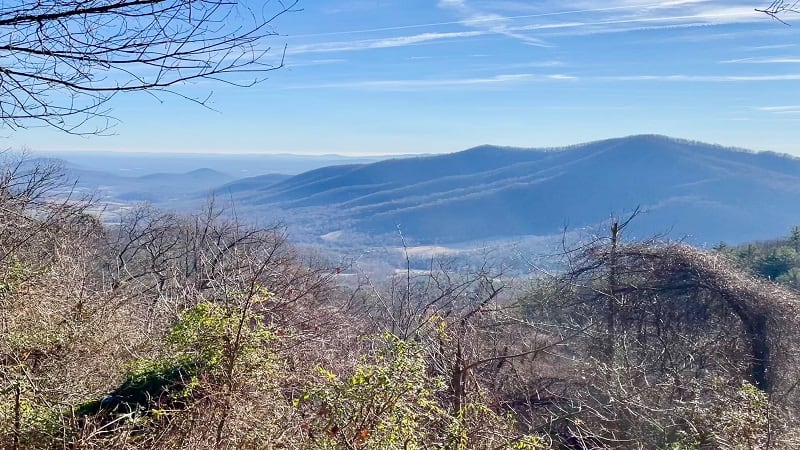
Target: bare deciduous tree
(62,60)
(36,202)
(671,334)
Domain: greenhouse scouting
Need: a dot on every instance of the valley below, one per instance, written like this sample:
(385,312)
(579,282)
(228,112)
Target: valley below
(508,202)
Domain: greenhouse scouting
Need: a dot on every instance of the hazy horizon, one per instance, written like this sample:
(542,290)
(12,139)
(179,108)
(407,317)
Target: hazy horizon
(357,156)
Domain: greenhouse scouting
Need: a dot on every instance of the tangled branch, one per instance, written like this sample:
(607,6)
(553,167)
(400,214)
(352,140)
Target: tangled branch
(778,7)
(61,61)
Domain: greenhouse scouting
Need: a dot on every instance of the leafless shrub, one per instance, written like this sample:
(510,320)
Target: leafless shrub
(665,324)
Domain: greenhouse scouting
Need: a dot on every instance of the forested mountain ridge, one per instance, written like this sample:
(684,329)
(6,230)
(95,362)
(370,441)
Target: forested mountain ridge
(706,192)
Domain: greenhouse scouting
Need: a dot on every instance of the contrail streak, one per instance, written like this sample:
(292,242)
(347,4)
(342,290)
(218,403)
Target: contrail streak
(481,20)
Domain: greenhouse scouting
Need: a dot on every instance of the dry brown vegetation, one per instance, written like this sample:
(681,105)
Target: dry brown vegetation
(198,331)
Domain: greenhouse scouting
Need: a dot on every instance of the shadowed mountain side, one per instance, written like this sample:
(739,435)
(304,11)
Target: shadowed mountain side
(250,183)
(707,192)
(365,179)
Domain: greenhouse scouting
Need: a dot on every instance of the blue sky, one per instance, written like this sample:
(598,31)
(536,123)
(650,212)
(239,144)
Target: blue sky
(412,76)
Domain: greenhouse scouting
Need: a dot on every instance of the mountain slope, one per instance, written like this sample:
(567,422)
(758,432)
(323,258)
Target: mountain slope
(707,192)
(248,183)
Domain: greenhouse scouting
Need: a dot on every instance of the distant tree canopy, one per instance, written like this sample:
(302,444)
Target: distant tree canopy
(62,60)
(777,260)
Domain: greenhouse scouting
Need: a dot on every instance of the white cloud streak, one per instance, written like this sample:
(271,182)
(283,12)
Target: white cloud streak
(760,48)
(370,44)
(645,23)
(489,21)
(772,60)
(477,20)
(434,84)
(598,19)
(315,62)
(609,19)
(530,78)
(697,78)
(786,109)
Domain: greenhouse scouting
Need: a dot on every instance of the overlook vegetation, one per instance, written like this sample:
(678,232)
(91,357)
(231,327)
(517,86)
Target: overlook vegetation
(152,329)
(778,260)
(199,331)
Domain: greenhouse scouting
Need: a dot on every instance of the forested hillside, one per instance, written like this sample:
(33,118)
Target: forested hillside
(692,190)
(198,331)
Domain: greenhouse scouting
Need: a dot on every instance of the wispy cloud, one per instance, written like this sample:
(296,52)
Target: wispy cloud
(592,9)
(760,48)
(560,76)
(590,17)
(766,60)
(681,78)
(785,109)
(489,21)
(546,63)
(604,17)
(450,83)
(530,78)
(646,19)
(369,44)
(696,78)
(315,62)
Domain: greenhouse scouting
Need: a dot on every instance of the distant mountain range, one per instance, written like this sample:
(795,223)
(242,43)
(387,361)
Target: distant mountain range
(687,190)
(158,188)
(702,192)
(236,165)
(180,181)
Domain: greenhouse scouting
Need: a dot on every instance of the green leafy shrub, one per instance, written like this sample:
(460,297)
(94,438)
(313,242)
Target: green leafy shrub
(391,402)
(203,350)
(724,416)
(28,421)
(388,403)
(14,277)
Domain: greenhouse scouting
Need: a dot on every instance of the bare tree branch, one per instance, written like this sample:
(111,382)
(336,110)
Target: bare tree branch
(61,61)
(779,7)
